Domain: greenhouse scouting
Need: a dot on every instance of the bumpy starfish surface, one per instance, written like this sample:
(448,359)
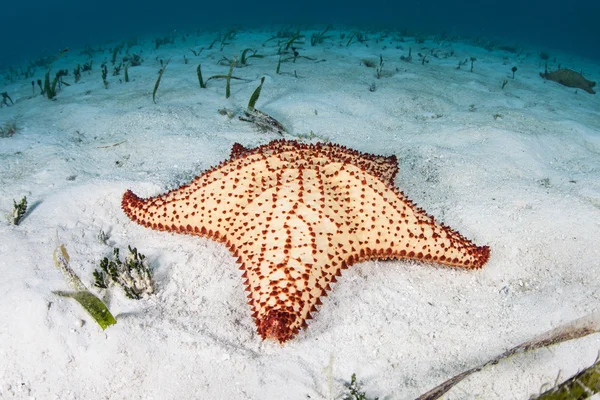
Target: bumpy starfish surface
(295,215)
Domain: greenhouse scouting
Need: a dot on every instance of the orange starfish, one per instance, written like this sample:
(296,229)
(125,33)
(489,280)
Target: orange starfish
(295,215)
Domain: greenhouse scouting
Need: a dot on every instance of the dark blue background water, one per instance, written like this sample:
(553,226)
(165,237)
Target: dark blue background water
(34,28)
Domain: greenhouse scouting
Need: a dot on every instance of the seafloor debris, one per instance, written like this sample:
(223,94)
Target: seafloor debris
(92,304)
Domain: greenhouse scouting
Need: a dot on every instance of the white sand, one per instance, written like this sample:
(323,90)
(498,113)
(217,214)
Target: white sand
(526,183)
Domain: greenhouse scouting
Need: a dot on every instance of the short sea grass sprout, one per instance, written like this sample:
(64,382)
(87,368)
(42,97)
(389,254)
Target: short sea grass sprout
(255,95)
(77,73)
(18,211)
(244,58)
(199,73)
(160,74)
(104,75)
(354,390)
(380,68)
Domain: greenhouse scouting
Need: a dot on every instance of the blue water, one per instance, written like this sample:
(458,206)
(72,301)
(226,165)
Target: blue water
(39,27)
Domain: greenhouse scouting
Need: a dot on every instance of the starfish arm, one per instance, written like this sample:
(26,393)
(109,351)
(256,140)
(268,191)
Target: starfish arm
(382,223)
(206,206)
(286,268)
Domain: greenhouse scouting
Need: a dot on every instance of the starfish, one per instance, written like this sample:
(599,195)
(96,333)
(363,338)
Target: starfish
(295,215)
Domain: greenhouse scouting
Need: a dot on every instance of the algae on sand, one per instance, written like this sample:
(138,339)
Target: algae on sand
(92,304)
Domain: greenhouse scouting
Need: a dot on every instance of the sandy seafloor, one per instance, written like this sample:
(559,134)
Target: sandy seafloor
(517,169)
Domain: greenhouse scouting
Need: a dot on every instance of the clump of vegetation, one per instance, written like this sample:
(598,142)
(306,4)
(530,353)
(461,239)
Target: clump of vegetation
(294,40)
(50,88)
(115,52)
(368,63)
(133,275)
(358,37)
(92,304)
(18,211)
(164,40)
(319,38)
(5,99)
(224,38)
(544,55)
(354,391)
(134,60)
(117,69)
(420,38)
(227,77)
(290,55)
(87,66)
(8,129)
(261,120)
(244,58)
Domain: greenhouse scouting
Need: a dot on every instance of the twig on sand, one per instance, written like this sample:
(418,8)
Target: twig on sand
(111,145)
